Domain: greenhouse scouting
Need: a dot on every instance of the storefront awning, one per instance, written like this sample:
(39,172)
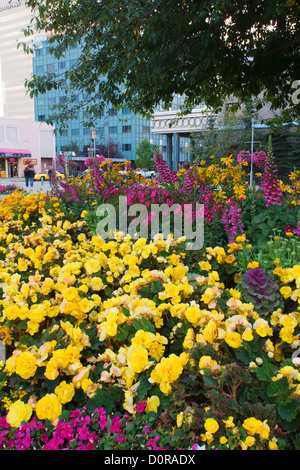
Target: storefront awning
(14,153)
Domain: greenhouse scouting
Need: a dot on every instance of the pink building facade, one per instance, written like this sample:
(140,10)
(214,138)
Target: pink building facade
(23,143)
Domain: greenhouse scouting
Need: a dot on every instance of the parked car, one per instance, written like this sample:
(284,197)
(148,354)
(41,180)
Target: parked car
(45,177)
(148,174)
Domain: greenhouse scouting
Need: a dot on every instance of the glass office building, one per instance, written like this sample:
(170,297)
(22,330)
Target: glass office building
(121,127)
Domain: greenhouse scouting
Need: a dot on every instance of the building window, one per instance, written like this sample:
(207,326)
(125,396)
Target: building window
(125,111)
(41,117)
(126,147)
(62,65)
(50,67)
(146,129)
(39,69)
(113,129)
(112,112)
(126,129)
(64,132)
(51,101)
(62,99)
(75,132)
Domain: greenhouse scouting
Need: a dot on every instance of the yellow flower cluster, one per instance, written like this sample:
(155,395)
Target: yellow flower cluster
(255,428)
(168,371)
(229,176)
(24,206)
(89,313)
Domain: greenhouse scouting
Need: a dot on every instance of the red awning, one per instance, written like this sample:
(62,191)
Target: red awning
(15,153)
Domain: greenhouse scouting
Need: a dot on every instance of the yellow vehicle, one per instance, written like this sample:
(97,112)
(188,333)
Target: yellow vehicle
(45,177)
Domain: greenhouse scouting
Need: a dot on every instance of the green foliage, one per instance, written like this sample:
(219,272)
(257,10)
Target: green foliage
(262,222)
(277,251)
(144,153)
(228,140)
(285,142)
(149,51)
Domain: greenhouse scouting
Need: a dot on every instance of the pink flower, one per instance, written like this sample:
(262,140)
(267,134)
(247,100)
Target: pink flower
(141,406)
(232,220)
(89,446)
(152,442)
(116,424)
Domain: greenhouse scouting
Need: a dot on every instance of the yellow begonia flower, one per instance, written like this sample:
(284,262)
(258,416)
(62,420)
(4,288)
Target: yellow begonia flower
(229,422)
(153,403)
(250,441)
(26,365)
(48,407)
(273,445)
(285,292)
(233,339)
(262,327)
(206,362)
(179,419)
(65,392)
(18,413)
(211,425)
(138,359)
(255,426)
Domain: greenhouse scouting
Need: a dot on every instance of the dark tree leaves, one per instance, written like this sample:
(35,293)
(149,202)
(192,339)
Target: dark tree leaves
(149,50)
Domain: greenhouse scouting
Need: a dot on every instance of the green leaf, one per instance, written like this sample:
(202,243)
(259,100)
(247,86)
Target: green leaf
(266,371)
(144,324)
(122,333)
(107,447)
(278,388)
(297,444)
(28,340)
(178,434)
(105,398)
(144,386)
(209,381)
(289,410)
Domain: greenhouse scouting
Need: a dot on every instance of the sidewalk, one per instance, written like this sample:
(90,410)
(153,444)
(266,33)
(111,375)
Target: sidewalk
(20,182)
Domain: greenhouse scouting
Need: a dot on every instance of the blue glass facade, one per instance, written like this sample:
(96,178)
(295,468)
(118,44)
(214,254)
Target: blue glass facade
(122,127)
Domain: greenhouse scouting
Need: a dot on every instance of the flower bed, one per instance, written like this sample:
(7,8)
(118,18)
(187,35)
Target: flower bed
(173,347)
(8,188)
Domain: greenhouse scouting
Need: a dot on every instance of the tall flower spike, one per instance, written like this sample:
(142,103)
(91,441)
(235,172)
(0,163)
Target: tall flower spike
(167,176)
(270,184)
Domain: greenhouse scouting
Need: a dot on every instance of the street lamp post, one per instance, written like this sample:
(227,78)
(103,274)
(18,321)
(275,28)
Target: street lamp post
(252,149)
(93,139)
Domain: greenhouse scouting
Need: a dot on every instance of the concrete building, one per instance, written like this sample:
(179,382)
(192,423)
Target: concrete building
(25,142)
(15,64)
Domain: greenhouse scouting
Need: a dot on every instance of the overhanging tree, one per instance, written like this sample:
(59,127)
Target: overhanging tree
(149,50)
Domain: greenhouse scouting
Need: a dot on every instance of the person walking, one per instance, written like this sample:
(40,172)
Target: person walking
(31,175)
(26,174)
(50,172)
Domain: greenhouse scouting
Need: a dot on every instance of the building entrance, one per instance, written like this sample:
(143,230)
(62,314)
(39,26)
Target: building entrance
(12,167)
